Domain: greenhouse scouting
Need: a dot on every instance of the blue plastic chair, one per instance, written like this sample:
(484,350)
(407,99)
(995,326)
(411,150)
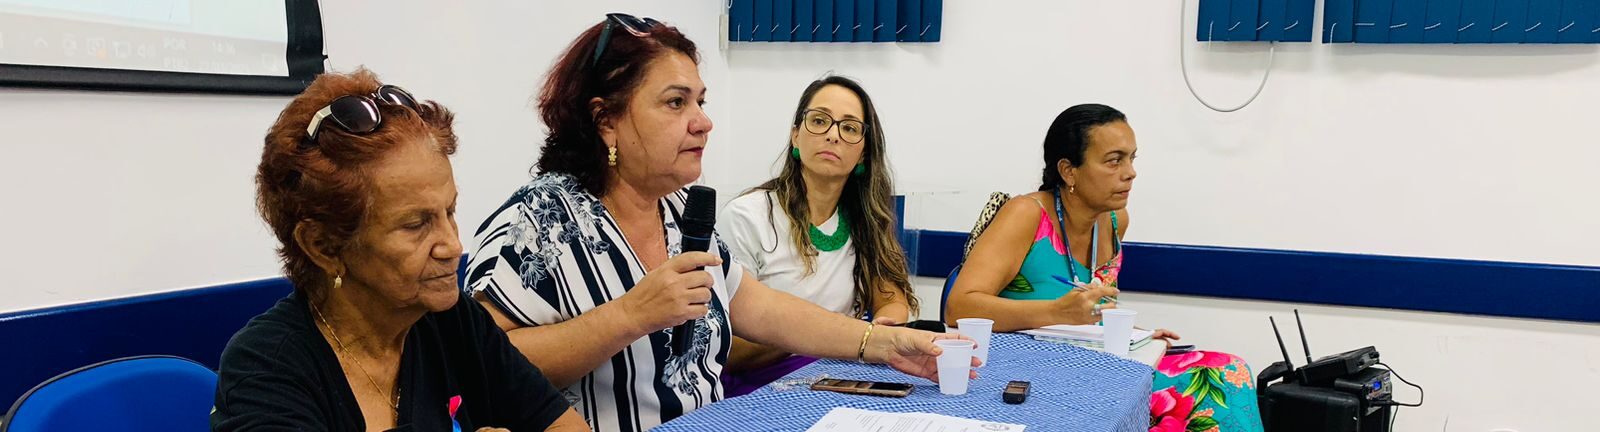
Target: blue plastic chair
(944,299)
(145,393)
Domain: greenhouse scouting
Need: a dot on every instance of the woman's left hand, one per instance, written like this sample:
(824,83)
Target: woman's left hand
(910,351)
(1166,335)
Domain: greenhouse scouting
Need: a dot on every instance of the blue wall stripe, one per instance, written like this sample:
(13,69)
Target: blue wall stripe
(194,324)
(1519,290)
(197,323)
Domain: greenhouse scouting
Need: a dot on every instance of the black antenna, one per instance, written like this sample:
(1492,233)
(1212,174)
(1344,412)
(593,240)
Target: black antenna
(1281,348)
(1303,343)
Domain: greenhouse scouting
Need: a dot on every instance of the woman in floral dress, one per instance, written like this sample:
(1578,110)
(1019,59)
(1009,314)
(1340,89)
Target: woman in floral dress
(1052,257)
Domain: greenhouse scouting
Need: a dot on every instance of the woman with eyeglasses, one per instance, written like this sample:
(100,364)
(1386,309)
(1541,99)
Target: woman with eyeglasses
(821,229)
(355,182)
(1054,256)
(582,266)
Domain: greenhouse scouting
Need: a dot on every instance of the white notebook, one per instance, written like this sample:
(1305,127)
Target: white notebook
(1141,347)
(1089,334)
(844,419)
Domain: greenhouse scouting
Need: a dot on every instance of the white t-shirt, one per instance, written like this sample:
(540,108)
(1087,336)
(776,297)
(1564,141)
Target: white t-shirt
(760,242)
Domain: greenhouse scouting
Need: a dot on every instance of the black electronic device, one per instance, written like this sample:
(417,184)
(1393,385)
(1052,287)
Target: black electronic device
(1179,349)
(1324,370)
(1338,393)
(1372,385)
(1327,369)
(1016,392)
(1295,407)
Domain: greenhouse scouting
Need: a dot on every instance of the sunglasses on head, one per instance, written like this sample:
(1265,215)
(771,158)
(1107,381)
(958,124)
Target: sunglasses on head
(638,27)
(358,114)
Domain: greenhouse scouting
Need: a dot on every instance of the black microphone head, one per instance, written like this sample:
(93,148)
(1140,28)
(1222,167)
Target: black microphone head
(701,206)
(699,219)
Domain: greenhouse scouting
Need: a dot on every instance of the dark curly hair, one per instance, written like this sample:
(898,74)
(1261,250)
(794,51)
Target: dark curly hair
(573,145)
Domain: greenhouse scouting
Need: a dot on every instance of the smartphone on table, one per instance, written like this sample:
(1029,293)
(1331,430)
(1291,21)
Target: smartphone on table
(870,388)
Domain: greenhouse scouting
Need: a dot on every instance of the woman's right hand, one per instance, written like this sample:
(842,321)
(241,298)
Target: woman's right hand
(677,291)
(1077,307)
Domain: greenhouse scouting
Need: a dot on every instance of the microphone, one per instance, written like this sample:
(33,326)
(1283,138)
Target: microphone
(699,219)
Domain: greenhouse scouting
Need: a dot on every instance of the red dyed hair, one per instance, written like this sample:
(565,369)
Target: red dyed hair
(573,145)
(323,181)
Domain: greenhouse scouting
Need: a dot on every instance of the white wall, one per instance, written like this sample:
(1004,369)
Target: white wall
(1468,152)
(117,194)
(1478,152)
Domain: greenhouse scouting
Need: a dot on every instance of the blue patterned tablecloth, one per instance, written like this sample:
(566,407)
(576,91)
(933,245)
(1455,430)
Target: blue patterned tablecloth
(1073,389)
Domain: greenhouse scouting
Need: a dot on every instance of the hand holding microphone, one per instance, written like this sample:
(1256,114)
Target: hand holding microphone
(698,222)
(673,293)
(678,293)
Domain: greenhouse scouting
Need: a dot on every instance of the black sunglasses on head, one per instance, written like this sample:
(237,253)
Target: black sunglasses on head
(638,27)
(358,114)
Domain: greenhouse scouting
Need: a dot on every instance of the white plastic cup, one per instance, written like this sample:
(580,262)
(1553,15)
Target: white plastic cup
(1118,325)
(955,365)
(977,329)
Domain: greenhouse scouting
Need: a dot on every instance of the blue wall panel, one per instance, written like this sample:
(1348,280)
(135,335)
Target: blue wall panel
(1443,22)
(1510,21)
(1299,19)
(1338,21)
(836,20)
(1214,18)
(1407,21)
(1544,18)
(1245,17)
(1372,20)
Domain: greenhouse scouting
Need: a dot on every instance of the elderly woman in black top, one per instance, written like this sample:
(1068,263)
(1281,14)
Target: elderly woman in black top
(356,184)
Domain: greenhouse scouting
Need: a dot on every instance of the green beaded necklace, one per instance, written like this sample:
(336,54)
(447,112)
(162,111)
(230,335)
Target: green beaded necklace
(830,243)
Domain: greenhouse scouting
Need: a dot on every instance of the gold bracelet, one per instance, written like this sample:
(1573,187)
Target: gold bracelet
(861,354)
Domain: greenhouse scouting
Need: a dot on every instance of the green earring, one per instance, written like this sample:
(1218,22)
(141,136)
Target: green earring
(794,152)
(861,169)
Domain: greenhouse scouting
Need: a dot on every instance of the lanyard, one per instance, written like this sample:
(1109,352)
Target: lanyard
(1094,243)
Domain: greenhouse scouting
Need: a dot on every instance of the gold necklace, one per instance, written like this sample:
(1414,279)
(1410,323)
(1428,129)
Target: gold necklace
(394,401)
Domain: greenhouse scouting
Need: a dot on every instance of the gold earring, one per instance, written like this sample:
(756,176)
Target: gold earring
(611,159)
(337,282)
(1072,189)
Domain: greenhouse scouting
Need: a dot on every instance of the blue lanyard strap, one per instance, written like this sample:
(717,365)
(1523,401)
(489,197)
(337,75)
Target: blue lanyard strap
(1094,243)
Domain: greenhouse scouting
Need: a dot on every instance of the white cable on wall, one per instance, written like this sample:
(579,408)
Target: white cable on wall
(1183,64)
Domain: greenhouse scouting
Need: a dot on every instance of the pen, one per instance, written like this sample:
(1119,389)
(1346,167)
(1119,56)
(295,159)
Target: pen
(1082,286)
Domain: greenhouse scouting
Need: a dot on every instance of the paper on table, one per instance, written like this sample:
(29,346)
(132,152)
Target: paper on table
(858,420)
(1086,333)
(1142,350)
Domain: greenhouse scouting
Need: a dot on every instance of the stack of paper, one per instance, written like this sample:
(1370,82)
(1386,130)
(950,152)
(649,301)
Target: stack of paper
(858,420)
(1087,336)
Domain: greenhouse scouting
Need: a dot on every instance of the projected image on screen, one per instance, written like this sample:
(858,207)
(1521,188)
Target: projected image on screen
(239,37)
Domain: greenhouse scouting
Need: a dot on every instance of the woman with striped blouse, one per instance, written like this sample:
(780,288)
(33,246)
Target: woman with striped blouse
(582,266)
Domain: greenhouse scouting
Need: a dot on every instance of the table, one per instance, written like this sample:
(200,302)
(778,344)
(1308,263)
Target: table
(1073,389)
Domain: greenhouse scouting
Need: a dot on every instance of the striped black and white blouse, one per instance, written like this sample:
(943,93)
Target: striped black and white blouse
(552,252)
